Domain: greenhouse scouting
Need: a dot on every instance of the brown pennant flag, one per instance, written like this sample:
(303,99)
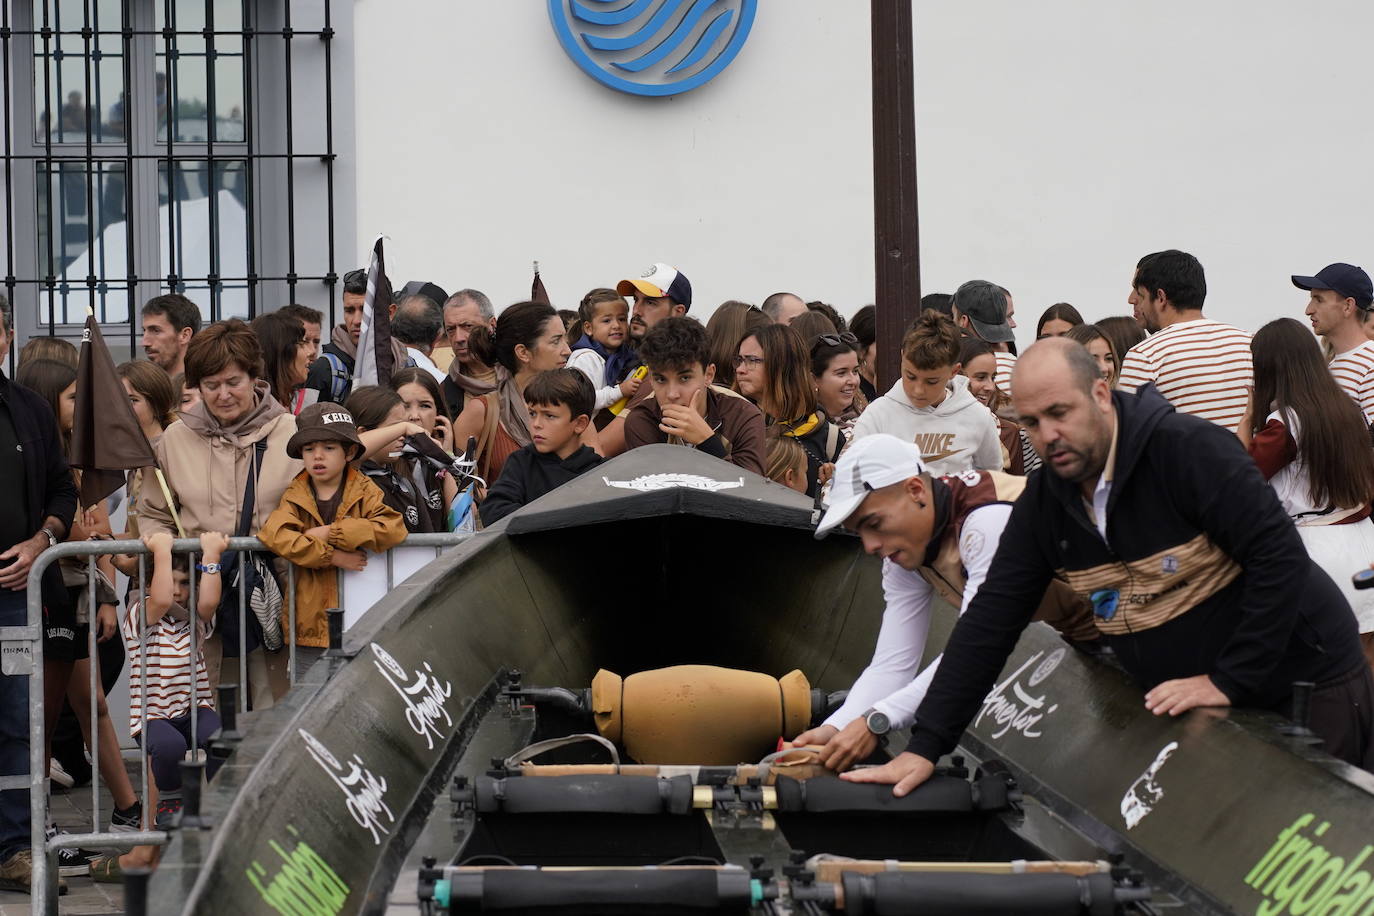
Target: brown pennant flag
(537,291)
(106,437)
(376,359)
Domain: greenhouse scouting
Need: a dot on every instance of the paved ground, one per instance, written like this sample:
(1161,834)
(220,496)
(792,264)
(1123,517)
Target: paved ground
(72,810)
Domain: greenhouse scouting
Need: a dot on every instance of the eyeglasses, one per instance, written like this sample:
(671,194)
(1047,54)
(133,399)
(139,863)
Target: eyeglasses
(835,340)
(753,362)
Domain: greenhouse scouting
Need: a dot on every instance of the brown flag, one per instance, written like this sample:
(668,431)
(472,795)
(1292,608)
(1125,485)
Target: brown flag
(106,437)
(537,291)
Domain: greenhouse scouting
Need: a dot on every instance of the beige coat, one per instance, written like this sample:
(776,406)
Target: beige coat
(207,475)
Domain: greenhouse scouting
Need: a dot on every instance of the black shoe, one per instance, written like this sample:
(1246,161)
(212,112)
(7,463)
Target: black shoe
(129,820)
(71,861)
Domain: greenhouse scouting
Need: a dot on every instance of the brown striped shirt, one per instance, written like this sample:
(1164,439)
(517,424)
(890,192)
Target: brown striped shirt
(1353,370)
(1201,367)
(166,651)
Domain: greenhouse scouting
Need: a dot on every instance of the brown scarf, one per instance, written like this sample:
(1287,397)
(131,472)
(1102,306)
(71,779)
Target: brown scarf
(341,339)
(242,431)
(472,385)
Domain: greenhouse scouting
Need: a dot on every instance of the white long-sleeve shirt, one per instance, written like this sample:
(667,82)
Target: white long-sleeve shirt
(890,683)
(593,366)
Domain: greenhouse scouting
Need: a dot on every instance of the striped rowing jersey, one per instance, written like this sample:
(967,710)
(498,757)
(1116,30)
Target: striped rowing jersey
(1005,363)
(1353,370)
(166,651)
(1201,367)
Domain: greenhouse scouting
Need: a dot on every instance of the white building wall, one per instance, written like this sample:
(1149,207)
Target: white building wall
(1057,142)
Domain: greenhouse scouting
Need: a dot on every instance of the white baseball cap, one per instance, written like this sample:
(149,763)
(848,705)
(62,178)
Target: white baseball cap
(871,463)
(658,281)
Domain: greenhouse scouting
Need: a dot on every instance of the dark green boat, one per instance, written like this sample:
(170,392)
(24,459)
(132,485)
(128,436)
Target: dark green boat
(667,557)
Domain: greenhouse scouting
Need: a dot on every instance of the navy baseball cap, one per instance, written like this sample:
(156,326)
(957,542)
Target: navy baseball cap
(1347,280)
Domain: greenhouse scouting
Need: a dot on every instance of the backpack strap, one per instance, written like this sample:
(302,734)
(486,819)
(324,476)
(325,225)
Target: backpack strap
(340,377)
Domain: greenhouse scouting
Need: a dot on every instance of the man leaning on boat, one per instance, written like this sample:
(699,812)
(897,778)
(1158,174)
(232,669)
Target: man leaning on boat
(1197,578)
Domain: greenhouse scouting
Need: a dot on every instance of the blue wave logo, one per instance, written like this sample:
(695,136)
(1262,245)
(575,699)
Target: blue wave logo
(652,47)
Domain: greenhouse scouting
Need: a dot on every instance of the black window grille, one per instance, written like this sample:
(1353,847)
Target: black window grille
(159,146)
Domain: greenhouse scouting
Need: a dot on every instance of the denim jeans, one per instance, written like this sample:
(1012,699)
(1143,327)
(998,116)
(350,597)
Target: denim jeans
(14,736)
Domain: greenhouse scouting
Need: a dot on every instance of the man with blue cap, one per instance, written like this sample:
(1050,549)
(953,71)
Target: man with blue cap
(1339,308)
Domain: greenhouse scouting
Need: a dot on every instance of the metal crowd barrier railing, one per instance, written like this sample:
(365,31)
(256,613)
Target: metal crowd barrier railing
(44,887)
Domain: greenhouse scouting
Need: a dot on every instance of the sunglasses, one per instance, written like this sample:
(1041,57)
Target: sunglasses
(835,340)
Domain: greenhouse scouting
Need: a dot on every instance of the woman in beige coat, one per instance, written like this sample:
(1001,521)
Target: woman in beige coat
(208,459)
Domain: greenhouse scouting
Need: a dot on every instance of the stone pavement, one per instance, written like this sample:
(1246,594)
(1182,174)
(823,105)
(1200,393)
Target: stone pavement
(72,810)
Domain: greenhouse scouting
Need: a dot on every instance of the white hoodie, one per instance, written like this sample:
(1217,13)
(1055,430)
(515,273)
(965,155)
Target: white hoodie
(958,434)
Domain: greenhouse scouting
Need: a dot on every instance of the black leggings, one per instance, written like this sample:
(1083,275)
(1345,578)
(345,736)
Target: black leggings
(168,740)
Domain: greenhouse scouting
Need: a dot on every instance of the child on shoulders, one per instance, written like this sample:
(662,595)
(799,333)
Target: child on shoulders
(560,404)
(602,352)
(330,517)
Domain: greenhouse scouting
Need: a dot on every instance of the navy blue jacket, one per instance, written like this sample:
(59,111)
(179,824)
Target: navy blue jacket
(1202,572)
(48,481)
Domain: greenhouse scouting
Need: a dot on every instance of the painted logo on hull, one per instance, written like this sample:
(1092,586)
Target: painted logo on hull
(1140,799)
(669,481)
(652,47)
(1299,875)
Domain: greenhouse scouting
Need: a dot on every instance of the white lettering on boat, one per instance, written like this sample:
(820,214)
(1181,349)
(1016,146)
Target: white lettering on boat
(424,699)
(1022,711)
(364,792)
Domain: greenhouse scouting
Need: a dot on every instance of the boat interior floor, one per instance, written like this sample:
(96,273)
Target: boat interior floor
(544,815)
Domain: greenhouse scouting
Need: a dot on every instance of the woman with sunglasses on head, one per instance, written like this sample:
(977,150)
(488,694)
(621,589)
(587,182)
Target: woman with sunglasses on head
(772,369)
(835,377)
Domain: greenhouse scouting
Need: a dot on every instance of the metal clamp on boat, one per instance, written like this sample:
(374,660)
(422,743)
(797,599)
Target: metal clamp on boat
(671,889)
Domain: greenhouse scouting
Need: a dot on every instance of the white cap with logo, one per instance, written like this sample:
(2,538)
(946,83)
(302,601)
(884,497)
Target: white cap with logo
(871,463)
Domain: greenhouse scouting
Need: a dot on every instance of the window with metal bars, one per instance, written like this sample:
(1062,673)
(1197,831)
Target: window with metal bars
(159,146)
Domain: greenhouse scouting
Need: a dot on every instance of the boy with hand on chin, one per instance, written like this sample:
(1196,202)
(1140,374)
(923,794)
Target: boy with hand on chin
(330,516)
(685,408)
(561,403)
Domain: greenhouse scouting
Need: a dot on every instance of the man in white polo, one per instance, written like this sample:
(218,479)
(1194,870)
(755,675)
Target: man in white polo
(936,537)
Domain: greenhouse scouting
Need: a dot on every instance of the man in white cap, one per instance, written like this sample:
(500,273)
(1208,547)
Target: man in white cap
(936,536)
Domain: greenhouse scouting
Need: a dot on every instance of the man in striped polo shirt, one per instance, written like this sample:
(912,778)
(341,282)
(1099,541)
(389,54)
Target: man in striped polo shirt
(1202,367)
(1339,309)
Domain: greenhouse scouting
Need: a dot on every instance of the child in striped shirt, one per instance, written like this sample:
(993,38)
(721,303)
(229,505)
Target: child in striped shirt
(163,656)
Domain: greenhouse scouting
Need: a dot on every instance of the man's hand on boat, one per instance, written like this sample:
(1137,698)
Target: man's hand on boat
(904,772)
(840,748)
(1178,696)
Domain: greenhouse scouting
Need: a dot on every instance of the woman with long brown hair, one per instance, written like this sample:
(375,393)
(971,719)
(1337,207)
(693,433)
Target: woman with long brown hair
(1311,442)
(726,327)
(773,369)
(285,355)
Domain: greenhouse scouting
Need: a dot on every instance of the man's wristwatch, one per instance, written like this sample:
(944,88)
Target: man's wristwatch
(48,533)
(211,568)
(878,723)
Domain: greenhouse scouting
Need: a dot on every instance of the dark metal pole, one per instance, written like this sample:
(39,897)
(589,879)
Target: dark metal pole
(896,249)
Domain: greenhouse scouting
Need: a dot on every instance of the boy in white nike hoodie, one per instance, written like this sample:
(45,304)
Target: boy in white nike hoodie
(931,405)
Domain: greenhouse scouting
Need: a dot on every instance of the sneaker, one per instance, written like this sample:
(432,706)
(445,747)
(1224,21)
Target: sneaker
(59,776)
(71,861)
(130,820)
(168,813)
(16,874)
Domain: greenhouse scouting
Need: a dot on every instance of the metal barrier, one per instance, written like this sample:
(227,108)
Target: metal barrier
(44,886)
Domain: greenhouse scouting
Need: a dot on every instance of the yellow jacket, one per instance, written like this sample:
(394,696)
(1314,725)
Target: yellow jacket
(363,522)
